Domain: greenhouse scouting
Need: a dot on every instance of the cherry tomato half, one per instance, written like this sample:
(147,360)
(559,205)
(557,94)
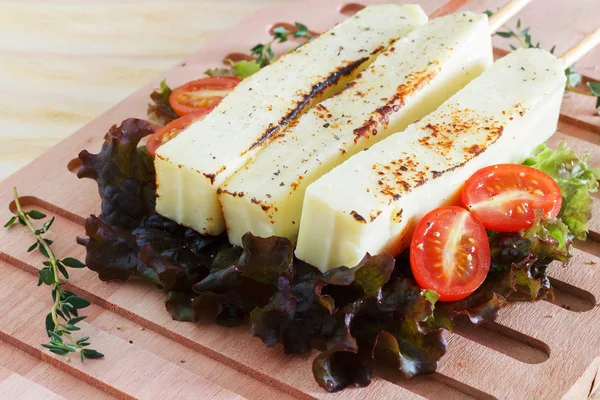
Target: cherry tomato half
(203,94)
(450,253)
(172,129)
(506,196)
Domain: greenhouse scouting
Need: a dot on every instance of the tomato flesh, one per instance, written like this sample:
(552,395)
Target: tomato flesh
(450,253)
(172,129)
(506,197)
(202,94)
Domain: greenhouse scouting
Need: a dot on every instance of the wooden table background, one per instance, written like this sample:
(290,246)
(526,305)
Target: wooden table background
(64,62)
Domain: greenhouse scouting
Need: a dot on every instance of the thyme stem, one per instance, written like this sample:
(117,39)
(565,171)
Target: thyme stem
(579,91)
(66,303)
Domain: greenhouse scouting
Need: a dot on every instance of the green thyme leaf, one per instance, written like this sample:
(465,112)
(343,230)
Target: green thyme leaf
(280,33)
(77,302)
(83,339)
(35,214)
(504,34)
(264,52)
(71,348)
(43,251)
(32,247)
(62,270)
(72,262)
(46,276)
(72,327)
(595,89)
(75,320)
(49,323)
(301,30)
(573,78)
(92,354)
(59,351)
(47,225)
(11,221)
(55,336)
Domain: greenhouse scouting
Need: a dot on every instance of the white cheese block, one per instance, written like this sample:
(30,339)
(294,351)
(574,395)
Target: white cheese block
(405,83)
(372,202)
(191,167)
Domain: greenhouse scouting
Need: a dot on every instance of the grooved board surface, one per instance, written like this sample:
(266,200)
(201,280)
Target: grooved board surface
(534,350)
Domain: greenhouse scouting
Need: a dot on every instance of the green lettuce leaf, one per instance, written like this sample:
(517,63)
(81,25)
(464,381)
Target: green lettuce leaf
(242,69)
(159,109)
(576,180)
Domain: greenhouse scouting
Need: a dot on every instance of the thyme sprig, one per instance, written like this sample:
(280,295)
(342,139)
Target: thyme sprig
(62,319)
(264,52)
(574,79)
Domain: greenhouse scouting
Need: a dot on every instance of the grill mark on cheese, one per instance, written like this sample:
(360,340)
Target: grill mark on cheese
(306,98)
(212,177)
(234,194)
(358,217)
(405,174)
(380,116)
(443,135)
(397,216)
(374,215)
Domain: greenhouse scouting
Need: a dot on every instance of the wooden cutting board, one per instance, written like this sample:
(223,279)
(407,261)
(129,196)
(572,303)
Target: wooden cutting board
(535,350)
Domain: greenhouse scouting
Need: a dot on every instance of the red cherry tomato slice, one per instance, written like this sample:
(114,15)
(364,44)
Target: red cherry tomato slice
(506,196)
(203,94)
(450,253)
(172,129)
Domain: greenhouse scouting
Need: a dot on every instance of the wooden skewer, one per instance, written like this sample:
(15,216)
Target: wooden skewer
(586,45)
(509,10)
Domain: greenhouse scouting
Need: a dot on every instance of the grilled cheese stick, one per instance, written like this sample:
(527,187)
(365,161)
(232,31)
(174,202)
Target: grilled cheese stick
(405,83)
(372,202)
(191,167)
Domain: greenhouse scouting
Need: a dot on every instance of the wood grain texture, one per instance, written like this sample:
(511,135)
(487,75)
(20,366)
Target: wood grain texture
(67,72)
(64,62)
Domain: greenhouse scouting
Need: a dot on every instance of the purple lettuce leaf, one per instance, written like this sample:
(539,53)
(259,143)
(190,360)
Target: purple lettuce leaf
(124,173)
(239,285)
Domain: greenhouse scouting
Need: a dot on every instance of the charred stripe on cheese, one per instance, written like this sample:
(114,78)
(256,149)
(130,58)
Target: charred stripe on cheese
(500,117)
(405,83)
(293,112)
(380,117)
(262,106)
